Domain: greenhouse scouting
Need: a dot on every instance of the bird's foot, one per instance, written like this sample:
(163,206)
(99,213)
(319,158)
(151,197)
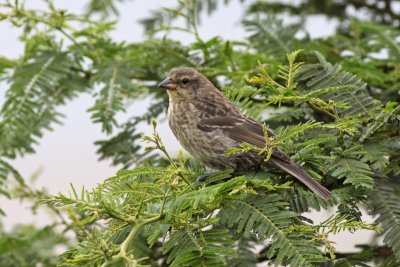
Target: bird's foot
(203,178)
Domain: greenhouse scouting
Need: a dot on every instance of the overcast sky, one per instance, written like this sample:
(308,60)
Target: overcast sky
(67,154)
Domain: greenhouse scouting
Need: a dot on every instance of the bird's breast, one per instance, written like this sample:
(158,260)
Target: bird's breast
(183,123)
(207,147)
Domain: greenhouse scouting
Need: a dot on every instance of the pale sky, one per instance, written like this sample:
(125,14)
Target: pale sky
(67,154)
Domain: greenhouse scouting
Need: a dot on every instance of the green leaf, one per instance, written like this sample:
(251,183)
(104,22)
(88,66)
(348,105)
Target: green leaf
(354,171)
(384,203)
(205,247)
(346,88)
(268,217)
(38,86)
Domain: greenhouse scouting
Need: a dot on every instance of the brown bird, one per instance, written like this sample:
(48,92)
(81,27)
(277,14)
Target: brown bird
(206,123)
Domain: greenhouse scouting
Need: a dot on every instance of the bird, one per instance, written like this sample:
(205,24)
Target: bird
(206,124)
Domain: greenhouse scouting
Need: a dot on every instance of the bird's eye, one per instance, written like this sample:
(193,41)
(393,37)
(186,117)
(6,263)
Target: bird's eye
(185,80)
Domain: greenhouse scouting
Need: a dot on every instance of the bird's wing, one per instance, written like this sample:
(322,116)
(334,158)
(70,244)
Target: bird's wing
(241,129)
(222,115)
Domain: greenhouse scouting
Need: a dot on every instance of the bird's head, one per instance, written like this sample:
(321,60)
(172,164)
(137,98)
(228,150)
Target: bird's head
(185,84)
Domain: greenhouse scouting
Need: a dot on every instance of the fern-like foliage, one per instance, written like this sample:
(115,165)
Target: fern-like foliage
(290,71)
(208,247)
(384,203)
(208,198)
(36,246)
(389,116)
(267,35)
(325,88)
(286,72)
(163,18)
(301,201)
(291,114)
(6,171)
(268,217)
(389,262)
(38,87)
(383,36)
(244,98)
(360,259)
(114,80)
(349,166)
(246,253)
(325,117)
(123,148)
(356,172)
(345,88)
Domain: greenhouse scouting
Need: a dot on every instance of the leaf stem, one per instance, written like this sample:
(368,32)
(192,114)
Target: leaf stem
(124,245)
(322,111)
(135,229)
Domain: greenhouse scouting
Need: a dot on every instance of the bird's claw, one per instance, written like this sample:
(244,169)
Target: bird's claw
(202,178)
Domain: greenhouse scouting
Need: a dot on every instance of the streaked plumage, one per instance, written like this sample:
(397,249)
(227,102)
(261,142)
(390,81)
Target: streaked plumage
(206,123)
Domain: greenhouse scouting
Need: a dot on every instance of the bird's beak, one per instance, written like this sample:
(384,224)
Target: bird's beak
(167,84)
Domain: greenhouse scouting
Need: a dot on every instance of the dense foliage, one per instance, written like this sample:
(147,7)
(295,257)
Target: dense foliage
(332,101)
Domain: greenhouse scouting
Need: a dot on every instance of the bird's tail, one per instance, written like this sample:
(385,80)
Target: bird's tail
(303,177)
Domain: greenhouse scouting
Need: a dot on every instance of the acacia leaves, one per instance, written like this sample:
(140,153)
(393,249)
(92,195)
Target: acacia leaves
(210,247)
(37,88)
(334,112)
(183,223)
(384,203)
(113,80)
(268,217)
